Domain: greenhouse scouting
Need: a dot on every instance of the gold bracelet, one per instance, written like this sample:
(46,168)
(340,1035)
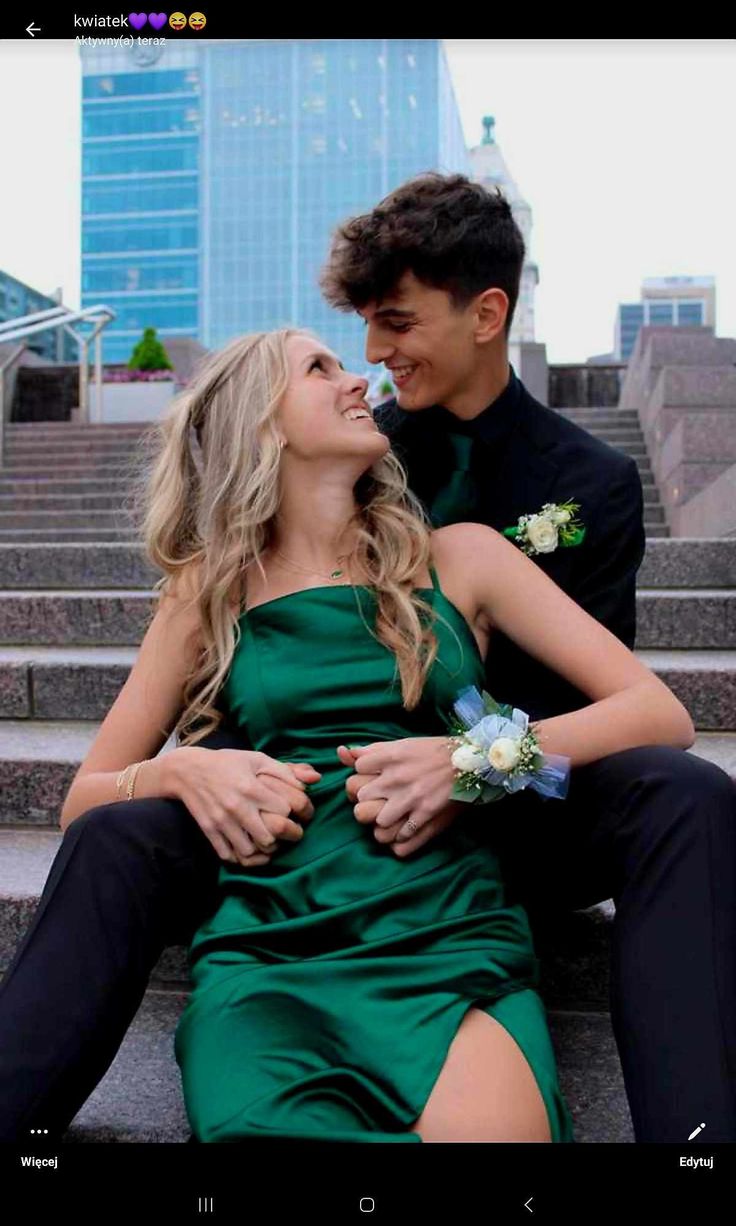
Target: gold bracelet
(120,780)
(131,782)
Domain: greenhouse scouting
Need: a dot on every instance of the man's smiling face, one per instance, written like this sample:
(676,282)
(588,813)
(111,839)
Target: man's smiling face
(427,343)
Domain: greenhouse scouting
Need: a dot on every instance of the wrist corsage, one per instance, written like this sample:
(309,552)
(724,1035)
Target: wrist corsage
(494,752)
(554,525)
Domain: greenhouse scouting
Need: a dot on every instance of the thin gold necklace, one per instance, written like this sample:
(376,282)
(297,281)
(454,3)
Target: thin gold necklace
(333,575)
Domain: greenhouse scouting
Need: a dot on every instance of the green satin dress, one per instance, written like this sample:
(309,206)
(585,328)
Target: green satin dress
(329,983)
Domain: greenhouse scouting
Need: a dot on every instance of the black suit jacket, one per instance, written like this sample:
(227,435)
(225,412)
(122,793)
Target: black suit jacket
(523,456)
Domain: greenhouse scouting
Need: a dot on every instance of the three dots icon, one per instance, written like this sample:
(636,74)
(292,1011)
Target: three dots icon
(39,1132)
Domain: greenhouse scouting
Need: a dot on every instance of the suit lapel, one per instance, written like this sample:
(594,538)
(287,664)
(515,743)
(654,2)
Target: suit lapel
(520,481)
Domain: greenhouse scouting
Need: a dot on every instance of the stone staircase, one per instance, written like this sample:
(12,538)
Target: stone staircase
(73,609)
(620,428)
(61,481)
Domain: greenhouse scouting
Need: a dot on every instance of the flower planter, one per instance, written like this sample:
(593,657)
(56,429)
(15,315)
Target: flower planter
(143,401)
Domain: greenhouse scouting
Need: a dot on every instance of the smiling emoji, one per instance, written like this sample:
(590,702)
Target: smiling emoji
(178,21)
(197,21)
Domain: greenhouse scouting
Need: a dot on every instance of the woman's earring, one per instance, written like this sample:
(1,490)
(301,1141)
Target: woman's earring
(282,444)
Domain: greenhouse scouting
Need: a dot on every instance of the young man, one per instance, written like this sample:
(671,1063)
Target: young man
(653,829)
(434,272)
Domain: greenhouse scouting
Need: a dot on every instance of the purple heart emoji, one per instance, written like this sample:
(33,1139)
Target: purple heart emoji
(157,20)
(137,20)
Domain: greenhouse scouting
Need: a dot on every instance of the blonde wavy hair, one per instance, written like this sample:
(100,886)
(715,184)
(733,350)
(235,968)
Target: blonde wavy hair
(206,494)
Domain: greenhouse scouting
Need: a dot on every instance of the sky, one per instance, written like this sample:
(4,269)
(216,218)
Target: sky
(622,148)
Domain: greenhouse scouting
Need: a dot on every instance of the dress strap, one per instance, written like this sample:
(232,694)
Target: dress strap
(435,580)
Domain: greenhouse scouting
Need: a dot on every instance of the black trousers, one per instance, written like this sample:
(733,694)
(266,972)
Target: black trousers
(652,828)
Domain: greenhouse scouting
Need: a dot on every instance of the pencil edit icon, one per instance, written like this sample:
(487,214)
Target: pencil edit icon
(694,1134)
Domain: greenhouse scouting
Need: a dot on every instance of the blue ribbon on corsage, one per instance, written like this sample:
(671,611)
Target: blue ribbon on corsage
(495,753)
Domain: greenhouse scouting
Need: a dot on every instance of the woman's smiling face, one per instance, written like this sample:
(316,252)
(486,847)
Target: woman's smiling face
(323,412)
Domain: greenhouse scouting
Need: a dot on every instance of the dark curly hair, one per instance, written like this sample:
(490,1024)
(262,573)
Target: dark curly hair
(453,234)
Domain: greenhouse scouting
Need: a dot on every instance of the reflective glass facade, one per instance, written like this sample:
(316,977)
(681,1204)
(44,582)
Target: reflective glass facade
(659,313)
(141,233)
(18,299)
(213,178)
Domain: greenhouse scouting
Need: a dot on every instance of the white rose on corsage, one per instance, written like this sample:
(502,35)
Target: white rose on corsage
(468,757)
(504,753)
(543,531)
(495,753)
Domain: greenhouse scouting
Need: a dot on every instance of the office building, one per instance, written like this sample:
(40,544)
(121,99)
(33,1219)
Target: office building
(666,302)
(489,168)
(18,299)
(215,171)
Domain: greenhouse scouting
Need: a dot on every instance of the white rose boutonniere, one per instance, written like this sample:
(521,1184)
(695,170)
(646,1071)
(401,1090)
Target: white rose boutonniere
(543,531)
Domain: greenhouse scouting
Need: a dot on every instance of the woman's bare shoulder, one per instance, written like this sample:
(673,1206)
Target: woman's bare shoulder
(463,540)
(185,587)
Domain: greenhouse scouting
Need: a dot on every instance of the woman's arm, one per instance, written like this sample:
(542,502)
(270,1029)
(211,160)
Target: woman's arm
(631,706)
(140,720)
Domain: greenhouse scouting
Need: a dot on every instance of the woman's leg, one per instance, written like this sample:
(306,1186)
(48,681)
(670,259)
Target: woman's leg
(486,1090)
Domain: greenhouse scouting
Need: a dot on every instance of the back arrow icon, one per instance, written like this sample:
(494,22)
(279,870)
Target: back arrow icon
(528,1203)
(33,30)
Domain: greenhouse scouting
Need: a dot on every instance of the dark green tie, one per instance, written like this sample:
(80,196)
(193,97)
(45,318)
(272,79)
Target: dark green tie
(457,500)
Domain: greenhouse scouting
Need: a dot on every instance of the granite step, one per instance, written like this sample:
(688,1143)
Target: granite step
(653,511)
(106,565)
(83,618)
(72,429)
(66,503)
(93,470)
(81,683)
(27,487)
(676,563)
(614,436)
(61,683)
(666,617)
(686,618)
(599,415)
(80,536)
(66,521)
(66,456)
(651,530)
(684,562)
(704,682)
(637,451)
(39,759)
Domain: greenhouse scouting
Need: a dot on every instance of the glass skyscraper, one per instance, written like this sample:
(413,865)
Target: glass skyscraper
(215,172)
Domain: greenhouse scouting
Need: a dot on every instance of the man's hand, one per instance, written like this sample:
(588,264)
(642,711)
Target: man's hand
(404,787)
(288,830)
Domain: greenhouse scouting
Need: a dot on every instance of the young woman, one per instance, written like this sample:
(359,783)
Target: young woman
(341,992)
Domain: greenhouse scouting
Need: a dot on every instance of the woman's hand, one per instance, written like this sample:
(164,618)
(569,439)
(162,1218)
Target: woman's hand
(242,799)
(401,781)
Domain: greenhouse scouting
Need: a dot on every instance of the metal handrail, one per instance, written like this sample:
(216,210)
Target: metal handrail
(13,357)
(59,317)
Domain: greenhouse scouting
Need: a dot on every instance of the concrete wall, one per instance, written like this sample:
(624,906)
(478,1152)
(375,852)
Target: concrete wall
(132,401)
(585,386)
(683,384)
(529,360)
